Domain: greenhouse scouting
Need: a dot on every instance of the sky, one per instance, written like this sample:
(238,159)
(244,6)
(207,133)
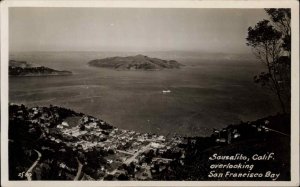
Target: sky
(131,29)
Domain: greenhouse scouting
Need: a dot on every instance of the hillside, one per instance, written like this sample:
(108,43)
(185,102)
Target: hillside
(55,143)
(138,62)
(23,68)
(20,64)
(255,140)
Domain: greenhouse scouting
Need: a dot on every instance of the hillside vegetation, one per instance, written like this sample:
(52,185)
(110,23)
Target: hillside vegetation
(138,62)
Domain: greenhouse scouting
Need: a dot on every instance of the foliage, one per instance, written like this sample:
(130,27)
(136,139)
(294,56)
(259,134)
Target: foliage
(271,44)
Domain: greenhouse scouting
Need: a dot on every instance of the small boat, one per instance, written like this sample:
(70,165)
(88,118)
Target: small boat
(166,91)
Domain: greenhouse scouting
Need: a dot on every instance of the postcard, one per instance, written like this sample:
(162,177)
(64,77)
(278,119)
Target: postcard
(150,93)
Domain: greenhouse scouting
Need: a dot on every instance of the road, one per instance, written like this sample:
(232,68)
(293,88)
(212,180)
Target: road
(28,173)
(113,172)
(125,152)
(129,160)
(79,170)
(277,132)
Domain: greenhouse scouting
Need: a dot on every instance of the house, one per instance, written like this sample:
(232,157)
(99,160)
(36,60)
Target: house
(266,129)
(62,165)
(236,135)
(221,140)
(161,151)
(156,145)
(65,124)
(109,161)
(161,138)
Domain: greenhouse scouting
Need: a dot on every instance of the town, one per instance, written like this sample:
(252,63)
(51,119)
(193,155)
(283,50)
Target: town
(121,150)
(55,143)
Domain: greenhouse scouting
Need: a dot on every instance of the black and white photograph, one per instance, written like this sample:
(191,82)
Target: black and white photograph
(150,94)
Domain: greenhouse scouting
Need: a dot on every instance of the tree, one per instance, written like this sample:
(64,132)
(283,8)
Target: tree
(82,127)
(123,177)
(282,21)
(271,44)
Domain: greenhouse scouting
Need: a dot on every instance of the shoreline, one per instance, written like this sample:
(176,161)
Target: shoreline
(44,75)
(175,134)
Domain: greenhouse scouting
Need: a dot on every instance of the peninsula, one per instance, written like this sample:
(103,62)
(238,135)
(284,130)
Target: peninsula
(23,68)
(138,62)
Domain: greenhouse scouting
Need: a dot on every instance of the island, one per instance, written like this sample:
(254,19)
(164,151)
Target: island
(23,68)
(138,62)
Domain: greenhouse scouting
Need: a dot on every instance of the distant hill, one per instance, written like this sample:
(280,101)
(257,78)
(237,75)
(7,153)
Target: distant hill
(21,64)
(22,68)
(138,62)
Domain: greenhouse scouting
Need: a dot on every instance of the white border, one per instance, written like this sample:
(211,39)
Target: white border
(293,4)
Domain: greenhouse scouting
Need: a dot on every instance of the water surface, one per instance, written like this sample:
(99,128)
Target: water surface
(205,93)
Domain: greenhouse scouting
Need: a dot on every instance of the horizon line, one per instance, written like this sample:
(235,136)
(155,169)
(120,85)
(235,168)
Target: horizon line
(131,51)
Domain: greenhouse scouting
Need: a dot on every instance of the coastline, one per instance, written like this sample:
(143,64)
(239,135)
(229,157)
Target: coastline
(42,75)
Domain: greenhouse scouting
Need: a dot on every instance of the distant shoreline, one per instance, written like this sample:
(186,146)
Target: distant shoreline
(22,69)
(43,75)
